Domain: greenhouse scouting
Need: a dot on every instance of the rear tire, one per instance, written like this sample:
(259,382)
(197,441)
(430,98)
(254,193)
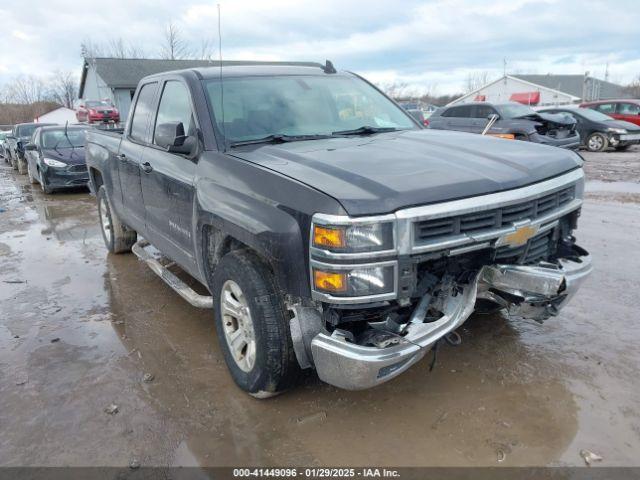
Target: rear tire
(250,314)
(118,238)
(597,142)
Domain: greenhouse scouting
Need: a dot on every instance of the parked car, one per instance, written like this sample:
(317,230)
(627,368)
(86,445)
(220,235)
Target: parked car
(56,159)
(419,116)
(97,111)
(346,243)
(513,120)
(3,136)
(599,131)
(19,137)
(627,110)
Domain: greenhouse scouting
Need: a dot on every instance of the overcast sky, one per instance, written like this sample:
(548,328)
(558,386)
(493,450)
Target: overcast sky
(429,44)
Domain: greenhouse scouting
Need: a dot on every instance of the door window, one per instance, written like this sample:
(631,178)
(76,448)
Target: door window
(628,109)
(142,112)
(463,111)
(606,108)
(175,106)
(483,111)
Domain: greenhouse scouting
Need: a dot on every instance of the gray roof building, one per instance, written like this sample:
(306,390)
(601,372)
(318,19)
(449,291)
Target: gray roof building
(584,87)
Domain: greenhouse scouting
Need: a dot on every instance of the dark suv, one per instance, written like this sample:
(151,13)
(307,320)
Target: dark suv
(512,120)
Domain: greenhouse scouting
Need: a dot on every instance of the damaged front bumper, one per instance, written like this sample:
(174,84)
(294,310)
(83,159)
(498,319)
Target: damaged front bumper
(535,292)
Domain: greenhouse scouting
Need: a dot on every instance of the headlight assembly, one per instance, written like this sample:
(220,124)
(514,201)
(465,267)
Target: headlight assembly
(355,238)
(356,281)
(54,163)
(620,131)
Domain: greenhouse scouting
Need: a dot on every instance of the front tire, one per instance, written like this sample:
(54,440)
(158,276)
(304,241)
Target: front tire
(118,238)
(252,325)
(597,142)
(22,166)
(32,179)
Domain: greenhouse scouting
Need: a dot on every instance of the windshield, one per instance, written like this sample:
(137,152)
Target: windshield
(515,110)
(256,107)
(57,139)
(24,131)
(97,103)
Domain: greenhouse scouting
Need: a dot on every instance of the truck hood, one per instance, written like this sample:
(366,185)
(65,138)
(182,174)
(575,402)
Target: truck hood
(389,171)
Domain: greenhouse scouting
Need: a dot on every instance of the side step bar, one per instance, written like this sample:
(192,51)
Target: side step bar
(181,288)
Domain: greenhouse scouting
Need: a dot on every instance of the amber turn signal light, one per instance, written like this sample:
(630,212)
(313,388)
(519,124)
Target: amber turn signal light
(328,237)
(508,136)
(329,281)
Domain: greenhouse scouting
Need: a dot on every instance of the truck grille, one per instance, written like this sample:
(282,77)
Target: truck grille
(535,250)
(477,222)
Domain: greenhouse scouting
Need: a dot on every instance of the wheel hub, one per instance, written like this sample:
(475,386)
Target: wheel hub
(237,325)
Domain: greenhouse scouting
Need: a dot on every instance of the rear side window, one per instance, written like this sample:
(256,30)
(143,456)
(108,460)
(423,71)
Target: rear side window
(142,112)
(463,111)
(175,106)
(628,109)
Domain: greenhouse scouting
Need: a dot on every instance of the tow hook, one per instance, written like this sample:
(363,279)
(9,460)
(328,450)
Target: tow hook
(452,338)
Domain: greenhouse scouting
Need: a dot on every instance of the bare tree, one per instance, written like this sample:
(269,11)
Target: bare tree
(633,89)
(476,80)
(113,48)
(174,46)
(26,89)
(207,50)
(64,88)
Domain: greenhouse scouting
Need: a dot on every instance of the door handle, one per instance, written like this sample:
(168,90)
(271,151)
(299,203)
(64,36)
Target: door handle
(122,157)
(146,166)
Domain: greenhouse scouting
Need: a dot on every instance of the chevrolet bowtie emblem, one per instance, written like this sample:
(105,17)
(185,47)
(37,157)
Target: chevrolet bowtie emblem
(520,236)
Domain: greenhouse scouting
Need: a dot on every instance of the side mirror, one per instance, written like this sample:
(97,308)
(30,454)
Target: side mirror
(491,115)
(30,146)
(171,137)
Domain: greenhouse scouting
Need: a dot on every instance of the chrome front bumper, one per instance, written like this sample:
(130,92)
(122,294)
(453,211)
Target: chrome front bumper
(535,292)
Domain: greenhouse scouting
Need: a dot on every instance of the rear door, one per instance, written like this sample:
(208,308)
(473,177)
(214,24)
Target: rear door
(480,115)
(131,155)
(168,179)
(629,112)
(458,118)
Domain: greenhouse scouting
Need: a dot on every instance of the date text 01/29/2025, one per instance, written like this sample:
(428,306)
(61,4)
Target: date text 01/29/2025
(316,473)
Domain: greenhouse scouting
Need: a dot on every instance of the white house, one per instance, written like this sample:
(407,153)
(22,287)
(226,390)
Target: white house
(541,90)
(60,116)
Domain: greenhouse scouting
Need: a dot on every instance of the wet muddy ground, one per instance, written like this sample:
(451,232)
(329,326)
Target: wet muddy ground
(79,329)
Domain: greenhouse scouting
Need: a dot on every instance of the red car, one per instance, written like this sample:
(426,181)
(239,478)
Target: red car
(627,110)
(97,111)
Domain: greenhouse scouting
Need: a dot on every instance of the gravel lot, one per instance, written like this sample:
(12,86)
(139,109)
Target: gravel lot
(79,329)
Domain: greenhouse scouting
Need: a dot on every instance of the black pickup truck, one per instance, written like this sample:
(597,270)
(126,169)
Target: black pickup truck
(330,229)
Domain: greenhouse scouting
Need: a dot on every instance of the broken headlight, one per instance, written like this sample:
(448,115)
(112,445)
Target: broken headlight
(357,237)
(356,281)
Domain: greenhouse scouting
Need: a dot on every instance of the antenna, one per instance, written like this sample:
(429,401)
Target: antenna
(224,133)
(328,67)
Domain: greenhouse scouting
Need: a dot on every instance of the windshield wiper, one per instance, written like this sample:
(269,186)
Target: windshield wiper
(279,138)
(366,130)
